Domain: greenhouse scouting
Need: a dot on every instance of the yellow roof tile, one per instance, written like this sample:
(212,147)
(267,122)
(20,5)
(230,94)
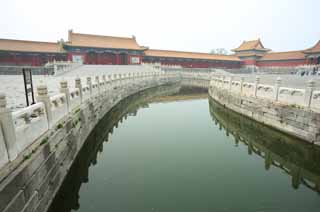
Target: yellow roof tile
(189,55)
(100,41)
(29,46)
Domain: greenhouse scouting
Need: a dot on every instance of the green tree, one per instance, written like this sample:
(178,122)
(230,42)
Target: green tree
(221,51)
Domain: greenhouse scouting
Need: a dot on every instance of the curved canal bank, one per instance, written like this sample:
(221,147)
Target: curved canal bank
(290,110)
(42,141)
(168,155)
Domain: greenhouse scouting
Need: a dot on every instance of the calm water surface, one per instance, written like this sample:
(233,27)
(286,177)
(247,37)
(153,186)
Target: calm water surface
(190,155)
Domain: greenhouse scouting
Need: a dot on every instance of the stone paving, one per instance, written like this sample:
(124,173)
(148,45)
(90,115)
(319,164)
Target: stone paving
(13,86)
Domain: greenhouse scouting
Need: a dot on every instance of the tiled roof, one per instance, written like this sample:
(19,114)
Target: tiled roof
(29,46)
(251,45)
(99,41)
(291,55)
(314,49)
(189,55)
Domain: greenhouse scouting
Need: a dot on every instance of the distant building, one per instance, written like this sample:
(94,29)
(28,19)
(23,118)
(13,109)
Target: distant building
(98,49)
(253,53)
(33,53)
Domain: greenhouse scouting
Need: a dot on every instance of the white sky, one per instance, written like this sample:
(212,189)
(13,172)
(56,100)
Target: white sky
(190,25)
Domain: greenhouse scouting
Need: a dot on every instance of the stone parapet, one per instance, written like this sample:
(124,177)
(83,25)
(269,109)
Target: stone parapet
(36,152)
(293,111)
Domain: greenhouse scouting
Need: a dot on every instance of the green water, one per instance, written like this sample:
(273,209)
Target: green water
(190,155)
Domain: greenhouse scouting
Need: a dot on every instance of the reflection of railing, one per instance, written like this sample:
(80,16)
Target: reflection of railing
(307,97)
(291,155)
(20,129)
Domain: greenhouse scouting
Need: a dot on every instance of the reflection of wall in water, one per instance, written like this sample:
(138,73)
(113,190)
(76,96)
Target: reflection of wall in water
(299,159)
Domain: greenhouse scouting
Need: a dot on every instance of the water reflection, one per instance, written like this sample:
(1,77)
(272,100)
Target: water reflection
(67,198)
(296,158)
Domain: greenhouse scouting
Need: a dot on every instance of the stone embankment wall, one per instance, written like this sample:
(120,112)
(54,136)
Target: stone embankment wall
(291,110)
(195,79)
(38,144)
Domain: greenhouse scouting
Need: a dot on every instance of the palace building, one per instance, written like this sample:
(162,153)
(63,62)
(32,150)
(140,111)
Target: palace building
(97,49)
(254,53)
(107,50)
(33,53)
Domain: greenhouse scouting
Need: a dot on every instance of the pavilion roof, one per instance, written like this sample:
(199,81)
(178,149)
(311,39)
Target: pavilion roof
(314,49)
(290,55)
(29,46)
(100,41)
(251,45)
(189,55)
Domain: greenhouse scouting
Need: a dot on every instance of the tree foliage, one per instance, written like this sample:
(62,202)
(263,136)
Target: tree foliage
(221,51)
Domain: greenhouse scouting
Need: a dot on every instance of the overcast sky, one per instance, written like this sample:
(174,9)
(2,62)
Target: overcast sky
(190,25)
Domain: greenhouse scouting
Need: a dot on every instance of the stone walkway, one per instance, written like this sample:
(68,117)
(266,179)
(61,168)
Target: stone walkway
(13,86)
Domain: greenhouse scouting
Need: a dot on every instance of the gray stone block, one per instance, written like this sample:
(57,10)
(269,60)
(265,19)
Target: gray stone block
(32,203)
(33,183)
(16,204)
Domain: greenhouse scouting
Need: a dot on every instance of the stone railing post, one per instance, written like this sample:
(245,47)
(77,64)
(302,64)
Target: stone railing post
(222,85)
(241,85)
(256,86)
(65,89)
(104,80)
(308,93)
(55,69)
(8,128)
(89,83)
(97,80)
(230,83)
(43,97)
(115,79)
(276,89)
(79,86)
(120,80)
(109,82)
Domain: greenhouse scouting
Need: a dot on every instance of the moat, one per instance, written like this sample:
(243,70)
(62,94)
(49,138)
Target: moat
(185,152)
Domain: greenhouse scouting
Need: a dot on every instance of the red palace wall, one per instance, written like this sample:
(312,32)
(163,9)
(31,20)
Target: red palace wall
(106,58)
(190,64)
(291,63)
(27,60)
(248,62)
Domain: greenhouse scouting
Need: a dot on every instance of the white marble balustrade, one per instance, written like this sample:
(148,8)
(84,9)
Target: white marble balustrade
(21,128)
(303,97)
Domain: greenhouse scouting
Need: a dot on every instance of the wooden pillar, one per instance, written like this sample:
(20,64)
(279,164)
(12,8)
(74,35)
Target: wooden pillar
(14,59)
(33,63)
(118,59)
(98,60)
